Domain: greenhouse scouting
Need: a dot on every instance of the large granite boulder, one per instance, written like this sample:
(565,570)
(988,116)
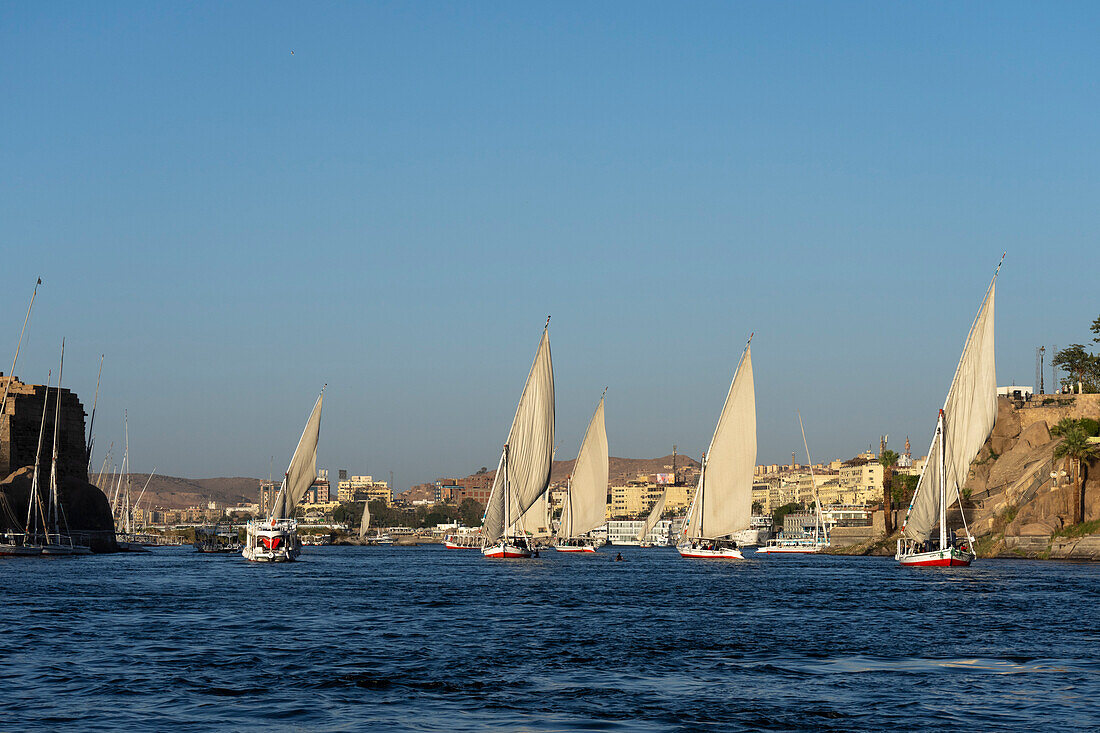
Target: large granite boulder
(86,509)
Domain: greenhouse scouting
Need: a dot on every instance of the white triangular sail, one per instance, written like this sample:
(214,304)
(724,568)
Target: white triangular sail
(527,459)
(364,523)
(535,522)
(585,506)
(654,516)
(723,500)
(302,471)
(968,416)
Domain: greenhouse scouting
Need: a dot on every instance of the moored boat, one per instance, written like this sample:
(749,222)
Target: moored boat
(802,545)
(460,540)
(792,546)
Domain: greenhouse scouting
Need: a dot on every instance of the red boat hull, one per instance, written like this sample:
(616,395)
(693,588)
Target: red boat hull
(506,552)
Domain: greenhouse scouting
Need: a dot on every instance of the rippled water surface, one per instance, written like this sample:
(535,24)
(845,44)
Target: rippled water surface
(437,640)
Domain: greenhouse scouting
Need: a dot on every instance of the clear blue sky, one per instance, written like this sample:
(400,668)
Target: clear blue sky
(395,209)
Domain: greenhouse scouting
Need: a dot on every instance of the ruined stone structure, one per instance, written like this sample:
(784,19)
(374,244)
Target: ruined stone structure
(19,428)
(85,508)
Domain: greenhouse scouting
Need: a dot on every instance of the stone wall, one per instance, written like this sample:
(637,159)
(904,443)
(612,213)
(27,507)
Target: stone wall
(19,429)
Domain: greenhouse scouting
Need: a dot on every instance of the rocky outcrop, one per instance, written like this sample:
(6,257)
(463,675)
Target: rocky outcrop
(86,511)
(1018,505)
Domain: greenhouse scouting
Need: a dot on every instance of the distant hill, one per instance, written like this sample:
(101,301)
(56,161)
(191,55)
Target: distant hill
(172,492)
(620,471)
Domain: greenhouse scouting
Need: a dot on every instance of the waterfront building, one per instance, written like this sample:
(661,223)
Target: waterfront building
(634,499)
(445,490)
(760,491)
(799,525)
(861,483)
(363,488)
(477,493)
(828,490)
(781,493)
(268,491)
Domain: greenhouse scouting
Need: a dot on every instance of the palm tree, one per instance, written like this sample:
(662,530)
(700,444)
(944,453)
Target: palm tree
(1075,445)
(1065,424)
(888,459)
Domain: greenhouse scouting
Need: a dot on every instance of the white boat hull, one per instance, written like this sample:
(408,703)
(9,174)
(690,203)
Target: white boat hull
(700,553)
(575,548)
(265,543)
(790,549)
(949,557)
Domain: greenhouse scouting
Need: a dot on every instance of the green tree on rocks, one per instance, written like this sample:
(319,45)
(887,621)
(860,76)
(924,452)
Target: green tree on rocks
(1075,446)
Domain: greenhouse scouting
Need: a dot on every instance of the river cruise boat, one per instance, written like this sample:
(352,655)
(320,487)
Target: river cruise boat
(464,541)
(274,541)
(793,546)
(217,538)
(577,544)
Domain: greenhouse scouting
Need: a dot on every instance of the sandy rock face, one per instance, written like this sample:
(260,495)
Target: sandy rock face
(1006,429)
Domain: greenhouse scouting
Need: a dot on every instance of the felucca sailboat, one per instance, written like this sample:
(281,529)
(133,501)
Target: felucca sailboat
(651,521)
(962,427)
(585,506)
(275,539)
(723,500)
(524,469)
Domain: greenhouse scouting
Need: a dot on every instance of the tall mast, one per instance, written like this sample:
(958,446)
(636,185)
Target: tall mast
(33,498)
(507,498)
(813,483)
(91,423)
(56,432)
(127,498)
(11,374)
(701,494)
(943,484)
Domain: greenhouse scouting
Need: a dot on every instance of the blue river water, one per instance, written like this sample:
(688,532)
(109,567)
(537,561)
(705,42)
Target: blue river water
(429,639)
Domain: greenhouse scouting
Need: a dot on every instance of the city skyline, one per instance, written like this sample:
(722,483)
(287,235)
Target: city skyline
(395,209)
